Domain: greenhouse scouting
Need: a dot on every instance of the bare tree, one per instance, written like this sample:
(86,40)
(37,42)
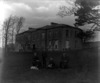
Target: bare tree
(7,25)
(11,27)
(17,27)
(19,24)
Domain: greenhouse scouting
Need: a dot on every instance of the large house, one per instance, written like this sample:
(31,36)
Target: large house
(54,37)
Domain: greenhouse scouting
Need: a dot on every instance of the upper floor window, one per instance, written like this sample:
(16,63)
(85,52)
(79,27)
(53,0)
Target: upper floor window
(49,46)
(75,33)
(71,33)
(55,34)
(75,43)
(43,35)
(67,33)
(49,34)
(67,44)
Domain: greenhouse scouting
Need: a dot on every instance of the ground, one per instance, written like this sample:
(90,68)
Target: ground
(17,70)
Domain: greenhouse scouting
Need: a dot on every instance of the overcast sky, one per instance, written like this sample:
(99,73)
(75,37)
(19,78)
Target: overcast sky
(37,12)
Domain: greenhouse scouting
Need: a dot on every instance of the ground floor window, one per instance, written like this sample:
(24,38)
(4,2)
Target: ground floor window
(49,46)
(67,45)
(56,45)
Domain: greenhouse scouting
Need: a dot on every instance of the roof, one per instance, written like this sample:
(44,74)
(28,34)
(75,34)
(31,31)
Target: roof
(53,25)
(28,31)
(56,25)
(23,32)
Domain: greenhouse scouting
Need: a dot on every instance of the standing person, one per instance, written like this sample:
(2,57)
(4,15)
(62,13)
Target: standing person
(36,62)
(33,48)
(64,61)
(44,56)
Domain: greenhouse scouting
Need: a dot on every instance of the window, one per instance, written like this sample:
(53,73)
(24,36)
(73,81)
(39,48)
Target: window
(50,34)
(75,43)
(56,45)
(56,32)
(43,35)
(49,46)
(67,44)
(71,33)
(75,33)
(67,33)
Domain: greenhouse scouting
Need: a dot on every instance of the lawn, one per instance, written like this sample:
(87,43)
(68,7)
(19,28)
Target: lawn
(16,69)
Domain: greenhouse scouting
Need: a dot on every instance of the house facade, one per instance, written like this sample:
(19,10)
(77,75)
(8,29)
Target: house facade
(54,37)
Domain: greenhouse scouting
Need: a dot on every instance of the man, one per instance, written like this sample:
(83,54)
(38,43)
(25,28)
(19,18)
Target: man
(44,55)
(36,62)
(64,61)
(51,63)
(33,48)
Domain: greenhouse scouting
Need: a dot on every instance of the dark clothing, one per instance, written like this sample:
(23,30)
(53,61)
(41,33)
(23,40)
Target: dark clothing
(64,61)
(44,55)
(51,64)
(35,58)
(33,48)
(36,62)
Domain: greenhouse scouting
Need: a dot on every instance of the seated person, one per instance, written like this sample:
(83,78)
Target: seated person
(51,64)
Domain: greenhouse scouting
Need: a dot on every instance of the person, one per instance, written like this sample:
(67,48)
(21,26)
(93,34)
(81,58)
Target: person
(36,62)
(44,55)
(64,61)
(51,64)
(33,48)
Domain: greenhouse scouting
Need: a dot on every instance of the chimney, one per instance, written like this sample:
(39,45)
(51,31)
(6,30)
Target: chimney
(52,23)
(30,28)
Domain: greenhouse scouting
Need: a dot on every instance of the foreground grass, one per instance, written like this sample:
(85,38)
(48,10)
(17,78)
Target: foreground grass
(54,76)
(16,69)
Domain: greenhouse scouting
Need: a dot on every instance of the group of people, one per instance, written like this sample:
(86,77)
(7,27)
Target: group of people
(37,64)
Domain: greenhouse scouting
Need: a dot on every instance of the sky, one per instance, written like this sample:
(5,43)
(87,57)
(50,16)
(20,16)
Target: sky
(37,13)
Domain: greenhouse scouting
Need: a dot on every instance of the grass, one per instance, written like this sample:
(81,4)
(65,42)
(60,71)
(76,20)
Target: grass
(83,69)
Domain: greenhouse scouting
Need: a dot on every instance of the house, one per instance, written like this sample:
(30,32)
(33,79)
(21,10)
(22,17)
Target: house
(54,37)
(23,41)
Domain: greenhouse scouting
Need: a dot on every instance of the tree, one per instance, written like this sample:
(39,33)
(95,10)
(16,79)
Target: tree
(7,26)
(11,26)
(86,12)
(19,24)
(85,35)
